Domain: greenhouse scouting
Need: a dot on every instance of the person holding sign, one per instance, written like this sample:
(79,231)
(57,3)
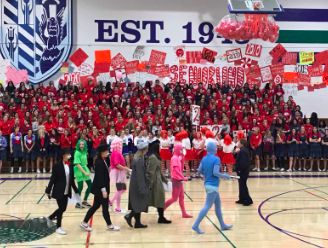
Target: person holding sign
(61,184)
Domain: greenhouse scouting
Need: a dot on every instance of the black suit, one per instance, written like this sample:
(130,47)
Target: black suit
(100,181)
(242,167)
(57,185)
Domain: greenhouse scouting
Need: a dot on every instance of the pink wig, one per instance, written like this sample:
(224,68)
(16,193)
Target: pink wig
(116,145)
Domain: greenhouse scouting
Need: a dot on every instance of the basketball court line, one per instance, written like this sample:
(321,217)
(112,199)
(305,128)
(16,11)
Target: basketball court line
(21,189)
(2,182)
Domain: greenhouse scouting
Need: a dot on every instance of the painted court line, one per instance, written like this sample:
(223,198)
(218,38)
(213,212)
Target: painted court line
(21,190)
(2,182)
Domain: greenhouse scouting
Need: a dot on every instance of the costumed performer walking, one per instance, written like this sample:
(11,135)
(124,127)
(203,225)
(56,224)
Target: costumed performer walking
(139,190)
(100,189)
(61,184)
(177,164)
(210,168)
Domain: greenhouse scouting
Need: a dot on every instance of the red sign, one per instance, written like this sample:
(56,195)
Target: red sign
(277,72)
(290,77)
(157,57)
(315,71)
(254,50)
(304,79)
(193,57)
(209,55)
(131,67)
(233,55)
(253,72)
(78,57)
(278,52)
(266,74)
(118,61)
(290,59)
(321,58)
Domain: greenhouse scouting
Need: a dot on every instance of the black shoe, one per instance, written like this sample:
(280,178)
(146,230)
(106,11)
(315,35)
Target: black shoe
(140,226)
(164,221)
(86,204)
(128,220)
(239,202)
(247,203)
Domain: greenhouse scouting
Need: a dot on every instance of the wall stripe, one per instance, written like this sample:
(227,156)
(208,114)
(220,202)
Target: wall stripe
(303,36)
(302,15)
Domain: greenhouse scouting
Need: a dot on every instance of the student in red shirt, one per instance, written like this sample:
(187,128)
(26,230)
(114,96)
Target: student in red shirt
(96,140)
(255,144)
(308,127)
(158,88)
(49,124)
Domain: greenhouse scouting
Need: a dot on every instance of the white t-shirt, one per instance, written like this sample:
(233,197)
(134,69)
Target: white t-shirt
(186,143)
(229,148)
(198,144)
(110,138)
(165,142)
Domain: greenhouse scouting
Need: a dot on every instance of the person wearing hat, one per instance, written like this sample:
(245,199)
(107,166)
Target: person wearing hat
(100,189)
(61,183)
(139,190)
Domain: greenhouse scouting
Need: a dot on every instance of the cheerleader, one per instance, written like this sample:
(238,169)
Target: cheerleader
(172,139)
(268,150)
(255,143)
(166,155)
(118,173)
(292,141)
(130,143)
(228,147)
(324,143)
(29,153)
(16,149)
(54,146)
(220,152)
(3,146)
(209,138)
(315,148)
(125,149)
(303,148)
(280,149)
(198,150)
(110,138)
(203,131)
(96,141)
(189,155)
(138,139)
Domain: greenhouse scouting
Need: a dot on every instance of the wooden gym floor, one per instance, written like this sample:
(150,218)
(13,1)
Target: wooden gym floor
(289,210)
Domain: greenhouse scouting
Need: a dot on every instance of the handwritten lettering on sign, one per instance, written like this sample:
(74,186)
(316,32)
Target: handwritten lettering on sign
(157,57)
(290,59)
(301,69)
(233,55)
(278,52)
(118,61)
(209,55)
(193,57)
(266,74)
(315,71)
(254,50)
(306,58)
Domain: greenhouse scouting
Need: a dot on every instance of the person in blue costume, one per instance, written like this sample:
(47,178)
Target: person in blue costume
(210,168)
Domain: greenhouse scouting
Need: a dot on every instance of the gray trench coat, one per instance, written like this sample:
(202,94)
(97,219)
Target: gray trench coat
(138,191)
(155,179)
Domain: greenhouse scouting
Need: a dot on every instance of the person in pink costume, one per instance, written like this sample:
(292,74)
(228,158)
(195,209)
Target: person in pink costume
(177,164)
(117,174)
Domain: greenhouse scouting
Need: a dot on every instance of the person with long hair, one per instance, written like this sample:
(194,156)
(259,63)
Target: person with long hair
(29,153)
(41,148)
(3,146)
(303,148)
(82,172)
(139,189)
(165,153)
(228,147)
(118,171)
(292,141)
(177,163)
(280,150)
(255,144)
(198,147)
(210,168)
(54,146)
(268,150)
(155,180)
(16,149)
(100,189)
(315,148)
(129,137)
(189,156)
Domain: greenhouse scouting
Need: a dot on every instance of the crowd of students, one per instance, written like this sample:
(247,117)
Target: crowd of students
(38,121)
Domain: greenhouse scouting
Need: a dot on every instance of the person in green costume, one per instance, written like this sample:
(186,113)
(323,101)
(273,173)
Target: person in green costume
(81,171)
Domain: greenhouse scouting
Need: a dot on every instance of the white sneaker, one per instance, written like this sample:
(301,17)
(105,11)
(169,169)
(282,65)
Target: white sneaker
(304,169)
(49,222)
(225,168)
(289,170)
(258,170)
(282,169)
(110,207)
(12,170)
(300,169)
(166,171)
(319,170)
(20,170)
(309,169)
(60,231)
(86,227)
(26,171)
(274,169)
(50,171)
(254,169)
(323,170)
(38,171)
(44,170)
(113,228)
(266,168)
(294,169)
(121,211)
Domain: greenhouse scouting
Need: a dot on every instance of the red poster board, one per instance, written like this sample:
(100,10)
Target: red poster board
(209,55)
(278,52)
(157,57)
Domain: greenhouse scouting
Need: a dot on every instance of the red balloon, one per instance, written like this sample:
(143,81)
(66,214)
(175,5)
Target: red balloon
(272,39)
(217,29)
